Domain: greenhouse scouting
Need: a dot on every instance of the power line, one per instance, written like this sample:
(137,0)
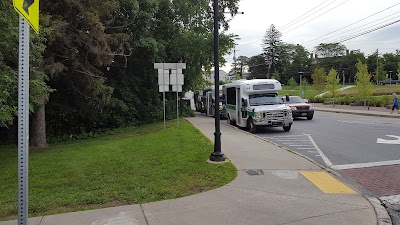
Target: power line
(317,16)
(286,25)
(353,23)
(356,28)
(363,33)
(254,41)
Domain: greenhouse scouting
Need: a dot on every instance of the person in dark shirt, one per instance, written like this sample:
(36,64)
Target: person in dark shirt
(395,103)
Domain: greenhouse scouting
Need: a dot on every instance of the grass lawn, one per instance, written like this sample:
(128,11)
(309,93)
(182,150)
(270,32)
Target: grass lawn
(308,93)
(311,92)
(379,90)
(136,165)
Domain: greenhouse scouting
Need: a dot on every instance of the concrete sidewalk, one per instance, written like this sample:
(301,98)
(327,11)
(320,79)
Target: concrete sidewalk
(278,193)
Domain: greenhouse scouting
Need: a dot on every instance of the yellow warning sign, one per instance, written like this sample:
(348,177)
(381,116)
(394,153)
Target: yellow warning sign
(29,10)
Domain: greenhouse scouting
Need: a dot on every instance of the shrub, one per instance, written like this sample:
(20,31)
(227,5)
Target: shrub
(316,99)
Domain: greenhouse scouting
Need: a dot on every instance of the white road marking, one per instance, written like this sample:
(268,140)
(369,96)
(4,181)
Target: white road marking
(299,145)
(365,165)
(313,151)
(396,141)
(288,136)
(290,140)
(293,142)
(326,160)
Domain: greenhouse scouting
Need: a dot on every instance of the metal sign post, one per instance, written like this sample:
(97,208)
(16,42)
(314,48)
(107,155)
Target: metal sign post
(176,80)
(23,121)
(163,82)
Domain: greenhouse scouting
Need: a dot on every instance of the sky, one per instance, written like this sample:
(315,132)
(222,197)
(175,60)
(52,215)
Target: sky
(310,22)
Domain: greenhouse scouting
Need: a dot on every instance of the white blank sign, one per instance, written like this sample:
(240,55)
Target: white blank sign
(176,78)
(164,88)
(179,88)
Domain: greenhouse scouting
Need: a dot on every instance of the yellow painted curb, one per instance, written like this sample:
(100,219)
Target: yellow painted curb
(327,183)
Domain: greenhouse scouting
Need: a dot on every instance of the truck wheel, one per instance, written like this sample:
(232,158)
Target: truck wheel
(287,128)
(251,126)
(310,117)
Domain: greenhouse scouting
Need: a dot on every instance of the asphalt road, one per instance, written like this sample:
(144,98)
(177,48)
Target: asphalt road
(342,141)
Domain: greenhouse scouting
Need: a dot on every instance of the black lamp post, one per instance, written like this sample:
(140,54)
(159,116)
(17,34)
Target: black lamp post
(217,155)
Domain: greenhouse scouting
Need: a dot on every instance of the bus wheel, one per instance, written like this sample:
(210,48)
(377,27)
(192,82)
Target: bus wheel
(287,128)
(251,126)
(230,122)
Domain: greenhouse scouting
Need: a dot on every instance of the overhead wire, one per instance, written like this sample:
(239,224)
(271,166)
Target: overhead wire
(254,41)
(353,23)
(316,17)
(356,28)
(286,25)
(366,32)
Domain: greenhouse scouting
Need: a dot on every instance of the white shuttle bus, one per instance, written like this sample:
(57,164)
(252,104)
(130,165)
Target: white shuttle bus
(209,92)
(255,103)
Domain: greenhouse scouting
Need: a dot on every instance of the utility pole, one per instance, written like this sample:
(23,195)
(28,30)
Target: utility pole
(343,77)
(377,61)
(234,59)
(301,88)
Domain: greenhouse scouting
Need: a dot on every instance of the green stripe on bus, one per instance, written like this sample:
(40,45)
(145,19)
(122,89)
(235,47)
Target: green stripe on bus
(233,107)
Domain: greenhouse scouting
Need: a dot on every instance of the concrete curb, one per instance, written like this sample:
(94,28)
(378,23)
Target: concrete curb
(356,113)
(382,215)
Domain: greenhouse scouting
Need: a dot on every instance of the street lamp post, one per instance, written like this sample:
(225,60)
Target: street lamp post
(343,77)
(217,155)
(390,79)
(301,88)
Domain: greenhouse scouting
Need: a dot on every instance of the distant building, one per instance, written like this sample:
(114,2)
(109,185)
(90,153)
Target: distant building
(223,76)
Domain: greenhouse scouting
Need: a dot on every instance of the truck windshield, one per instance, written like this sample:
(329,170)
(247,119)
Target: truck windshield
(295,99)
(264,99)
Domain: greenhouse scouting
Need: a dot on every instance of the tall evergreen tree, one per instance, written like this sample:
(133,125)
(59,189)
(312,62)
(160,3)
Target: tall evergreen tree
(271,44)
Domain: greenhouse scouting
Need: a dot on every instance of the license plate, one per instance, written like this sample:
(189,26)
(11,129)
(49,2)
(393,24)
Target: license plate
(304,114)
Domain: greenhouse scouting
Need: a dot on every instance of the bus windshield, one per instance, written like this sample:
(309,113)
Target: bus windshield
(264,99)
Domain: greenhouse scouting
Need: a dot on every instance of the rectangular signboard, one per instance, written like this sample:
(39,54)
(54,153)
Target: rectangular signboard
(163,77)
(172,66)
(179,88)
(176,78)
(163,88)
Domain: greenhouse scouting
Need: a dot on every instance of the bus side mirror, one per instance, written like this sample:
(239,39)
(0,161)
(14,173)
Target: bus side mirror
(287,98)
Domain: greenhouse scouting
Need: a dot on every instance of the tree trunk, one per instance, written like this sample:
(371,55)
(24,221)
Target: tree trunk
(38,128)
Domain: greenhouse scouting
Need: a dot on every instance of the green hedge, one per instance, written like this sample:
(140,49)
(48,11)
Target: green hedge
(377,101)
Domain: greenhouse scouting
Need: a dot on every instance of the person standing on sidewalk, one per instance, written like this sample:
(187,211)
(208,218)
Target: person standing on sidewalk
(395,103)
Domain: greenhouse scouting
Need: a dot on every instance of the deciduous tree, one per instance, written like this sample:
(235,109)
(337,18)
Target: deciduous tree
(333,83)
(319,77)
(364,86)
